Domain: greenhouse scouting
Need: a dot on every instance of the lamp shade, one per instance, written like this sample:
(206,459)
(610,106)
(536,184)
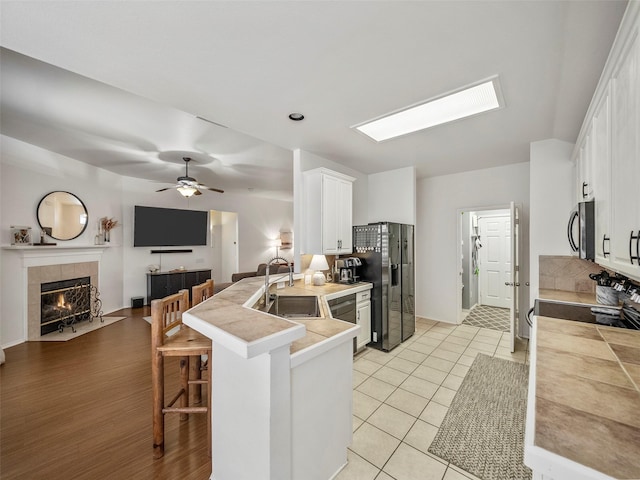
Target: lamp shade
(319,262)
(186,190)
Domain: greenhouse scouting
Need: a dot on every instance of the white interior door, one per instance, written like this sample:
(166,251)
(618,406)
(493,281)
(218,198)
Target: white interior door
(495,260)
(229,245)
(513,284)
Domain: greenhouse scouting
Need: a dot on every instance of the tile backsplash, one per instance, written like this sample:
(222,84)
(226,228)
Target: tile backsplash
(567,273)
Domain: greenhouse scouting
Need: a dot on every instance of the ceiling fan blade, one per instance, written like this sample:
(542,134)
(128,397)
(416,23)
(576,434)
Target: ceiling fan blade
(210,188)
(163,189)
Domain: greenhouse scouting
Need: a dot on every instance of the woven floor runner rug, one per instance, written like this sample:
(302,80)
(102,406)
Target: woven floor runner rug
(485,316)
(483,430)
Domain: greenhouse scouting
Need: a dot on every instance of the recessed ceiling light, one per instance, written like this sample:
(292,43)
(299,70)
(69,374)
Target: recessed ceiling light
(296,117)
(465,102)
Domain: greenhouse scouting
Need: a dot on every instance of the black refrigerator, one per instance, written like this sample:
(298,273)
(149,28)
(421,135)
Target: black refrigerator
(387,254)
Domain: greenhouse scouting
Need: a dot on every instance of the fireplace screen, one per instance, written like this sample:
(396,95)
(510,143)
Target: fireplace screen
(67,302)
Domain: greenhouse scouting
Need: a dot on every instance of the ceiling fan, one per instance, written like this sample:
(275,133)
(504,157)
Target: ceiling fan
(187,185)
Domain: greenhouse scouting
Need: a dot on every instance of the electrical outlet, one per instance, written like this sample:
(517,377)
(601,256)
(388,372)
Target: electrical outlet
(375,336)
(199,260)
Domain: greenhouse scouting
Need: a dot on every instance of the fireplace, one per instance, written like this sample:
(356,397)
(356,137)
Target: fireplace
(64,303)
(35,265)
(44,274)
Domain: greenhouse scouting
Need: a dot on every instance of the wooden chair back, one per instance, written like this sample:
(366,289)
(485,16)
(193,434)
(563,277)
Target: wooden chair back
(166,315)
(199,293)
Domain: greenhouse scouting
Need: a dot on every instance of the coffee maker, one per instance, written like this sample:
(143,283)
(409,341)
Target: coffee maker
(347,270)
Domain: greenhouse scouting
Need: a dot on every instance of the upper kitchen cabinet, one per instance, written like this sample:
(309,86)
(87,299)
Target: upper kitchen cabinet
(328,212)
(584,164)
(607,153)
(625,160)
(601,154)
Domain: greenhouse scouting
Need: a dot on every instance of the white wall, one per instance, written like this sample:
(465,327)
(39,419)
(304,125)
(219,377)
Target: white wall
(438,201)
(552,199)
(1,270)
(392,196)
(28,173)
(259,223)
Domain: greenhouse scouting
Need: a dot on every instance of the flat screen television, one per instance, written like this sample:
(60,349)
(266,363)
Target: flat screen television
(169,227)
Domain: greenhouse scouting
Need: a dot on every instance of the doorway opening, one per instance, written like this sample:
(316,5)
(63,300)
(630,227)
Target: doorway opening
(485,268)
(224,242)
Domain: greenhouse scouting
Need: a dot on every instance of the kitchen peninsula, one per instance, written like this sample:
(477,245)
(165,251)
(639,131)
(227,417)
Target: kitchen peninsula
(584,398)
(281,388)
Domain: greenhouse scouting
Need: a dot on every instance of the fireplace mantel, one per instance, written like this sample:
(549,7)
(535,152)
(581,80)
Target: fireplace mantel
(54,247)
(35,255)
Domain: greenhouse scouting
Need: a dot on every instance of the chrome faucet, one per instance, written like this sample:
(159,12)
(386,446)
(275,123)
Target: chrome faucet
(266,279)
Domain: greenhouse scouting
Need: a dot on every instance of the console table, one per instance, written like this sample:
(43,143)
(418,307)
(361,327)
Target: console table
(161,284)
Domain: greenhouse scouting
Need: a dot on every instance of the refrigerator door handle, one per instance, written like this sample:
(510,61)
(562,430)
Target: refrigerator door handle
(394,274)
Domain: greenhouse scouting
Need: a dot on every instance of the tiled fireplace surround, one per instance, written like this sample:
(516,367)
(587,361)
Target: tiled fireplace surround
(52,273)
(35,265)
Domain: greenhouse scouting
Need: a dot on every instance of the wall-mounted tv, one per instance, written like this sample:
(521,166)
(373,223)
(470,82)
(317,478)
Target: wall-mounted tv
(169,227)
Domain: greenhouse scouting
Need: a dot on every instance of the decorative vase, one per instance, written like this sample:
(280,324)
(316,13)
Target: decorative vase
(107,236)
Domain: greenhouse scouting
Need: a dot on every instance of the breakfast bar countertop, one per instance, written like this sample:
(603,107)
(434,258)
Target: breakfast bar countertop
(234,322)
(288,379)
(584,401)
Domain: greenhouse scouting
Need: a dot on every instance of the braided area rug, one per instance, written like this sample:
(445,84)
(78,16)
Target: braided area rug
(483,430)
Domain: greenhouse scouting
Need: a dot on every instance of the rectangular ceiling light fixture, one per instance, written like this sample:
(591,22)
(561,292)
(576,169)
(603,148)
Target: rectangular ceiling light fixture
(462,103)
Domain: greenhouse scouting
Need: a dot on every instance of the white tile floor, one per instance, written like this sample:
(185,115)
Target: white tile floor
(400,399)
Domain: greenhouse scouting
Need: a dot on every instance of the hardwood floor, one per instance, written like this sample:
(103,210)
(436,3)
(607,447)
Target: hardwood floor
(82,410)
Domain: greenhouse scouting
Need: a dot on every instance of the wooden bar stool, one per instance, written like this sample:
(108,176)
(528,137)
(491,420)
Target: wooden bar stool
(183,342)
(199,293)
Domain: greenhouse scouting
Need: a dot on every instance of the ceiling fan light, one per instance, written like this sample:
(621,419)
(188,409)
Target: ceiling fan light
(186,191)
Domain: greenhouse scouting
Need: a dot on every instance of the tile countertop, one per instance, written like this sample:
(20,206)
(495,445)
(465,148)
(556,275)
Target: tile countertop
(231,313)
(585,385)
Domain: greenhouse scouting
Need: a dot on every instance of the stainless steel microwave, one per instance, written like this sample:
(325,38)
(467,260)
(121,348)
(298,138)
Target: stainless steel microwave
(581,230)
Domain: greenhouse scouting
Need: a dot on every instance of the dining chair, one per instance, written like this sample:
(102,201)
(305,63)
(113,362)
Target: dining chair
(170,338)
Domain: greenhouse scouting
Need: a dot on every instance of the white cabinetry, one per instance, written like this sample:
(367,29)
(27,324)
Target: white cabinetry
(328,212)
(608,152)
(585,186)
(625,161)
(601,135)
(363,318)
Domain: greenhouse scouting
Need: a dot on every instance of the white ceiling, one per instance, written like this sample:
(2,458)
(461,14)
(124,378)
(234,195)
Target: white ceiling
(143,72)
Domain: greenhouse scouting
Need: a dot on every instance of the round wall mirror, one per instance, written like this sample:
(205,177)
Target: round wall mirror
(62,215)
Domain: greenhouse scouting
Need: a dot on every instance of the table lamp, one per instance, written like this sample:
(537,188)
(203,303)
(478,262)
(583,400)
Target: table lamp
(319,263)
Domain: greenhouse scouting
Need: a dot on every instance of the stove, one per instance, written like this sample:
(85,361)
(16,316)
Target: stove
(621,317)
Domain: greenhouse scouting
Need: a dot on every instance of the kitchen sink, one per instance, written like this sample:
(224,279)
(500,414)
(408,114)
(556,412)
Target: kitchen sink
(295,306)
